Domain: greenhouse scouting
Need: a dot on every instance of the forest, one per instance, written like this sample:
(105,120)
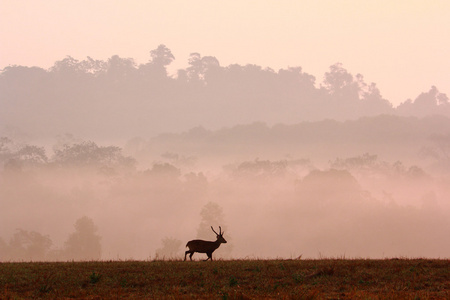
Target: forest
(114,160)
(117,99)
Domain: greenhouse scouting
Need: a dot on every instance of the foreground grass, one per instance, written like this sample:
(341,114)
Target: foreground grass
(237,279)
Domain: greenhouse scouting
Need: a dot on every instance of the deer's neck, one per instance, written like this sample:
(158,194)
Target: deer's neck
(217,244)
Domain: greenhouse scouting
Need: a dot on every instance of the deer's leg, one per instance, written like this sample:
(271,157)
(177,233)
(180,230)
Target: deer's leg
(209,256)
(190,256)
(185,253)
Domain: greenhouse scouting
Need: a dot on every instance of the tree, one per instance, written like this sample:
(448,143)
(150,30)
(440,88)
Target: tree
(120,68)
(340,84)
(261,169)
(161,56)
(170,248)
(88,154)
(439,151)
(4,250)
(431,99)
(5,148)
(164,171)
(195,68)
(63,140)
(351,97)
(31,155)
(69,66)
(28,154)
(84,243)
(365,161)
(372,101)
(200,66)
(93,66)
(294,78)
(429,103)
(212,215)
(26,245)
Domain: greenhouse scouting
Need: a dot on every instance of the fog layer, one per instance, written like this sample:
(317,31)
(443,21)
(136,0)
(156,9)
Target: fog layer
(275,203)
(111,160)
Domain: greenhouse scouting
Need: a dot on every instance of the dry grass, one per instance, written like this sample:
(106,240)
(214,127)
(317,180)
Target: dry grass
(236,279)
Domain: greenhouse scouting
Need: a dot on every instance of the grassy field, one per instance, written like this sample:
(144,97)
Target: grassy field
(235,279)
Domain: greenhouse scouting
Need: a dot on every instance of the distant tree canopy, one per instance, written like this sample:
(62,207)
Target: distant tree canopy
(120,97)
(170,248)
(27,245)
(84,243)
(261,168)
(79,154)
(14,157)
(89,154)
(212,215)
(428,103)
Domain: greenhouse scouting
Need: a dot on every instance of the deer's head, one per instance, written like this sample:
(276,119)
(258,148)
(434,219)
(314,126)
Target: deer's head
(219,235)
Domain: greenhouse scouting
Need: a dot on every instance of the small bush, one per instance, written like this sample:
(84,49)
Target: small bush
(94,278)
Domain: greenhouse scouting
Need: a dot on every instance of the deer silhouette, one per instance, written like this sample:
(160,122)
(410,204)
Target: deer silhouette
(207,247)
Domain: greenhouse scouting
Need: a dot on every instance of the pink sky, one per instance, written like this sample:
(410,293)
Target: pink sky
(403,46)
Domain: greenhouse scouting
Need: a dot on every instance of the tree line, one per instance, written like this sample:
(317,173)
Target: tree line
(82,244)
(119,97)
(77,154)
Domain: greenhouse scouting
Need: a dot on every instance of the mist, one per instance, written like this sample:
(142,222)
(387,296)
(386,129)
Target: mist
(112,160)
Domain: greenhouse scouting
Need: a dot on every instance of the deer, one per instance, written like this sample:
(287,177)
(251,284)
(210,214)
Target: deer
(207,247)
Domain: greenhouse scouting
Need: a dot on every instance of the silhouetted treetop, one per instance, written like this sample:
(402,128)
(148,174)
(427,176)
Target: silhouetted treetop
(84,243)
(28,245)
(429,103)
(338,81)
(161,56)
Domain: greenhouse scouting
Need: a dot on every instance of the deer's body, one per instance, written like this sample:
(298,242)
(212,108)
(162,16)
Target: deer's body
(207,247)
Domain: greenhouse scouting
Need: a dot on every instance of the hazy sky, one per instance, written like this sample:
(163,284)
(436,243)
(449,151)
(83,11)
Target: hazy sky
(403,46)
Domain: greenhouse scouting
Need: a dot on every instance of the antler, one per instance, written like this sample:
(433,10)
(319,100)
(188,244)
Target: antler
(220,231)
(214,230)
